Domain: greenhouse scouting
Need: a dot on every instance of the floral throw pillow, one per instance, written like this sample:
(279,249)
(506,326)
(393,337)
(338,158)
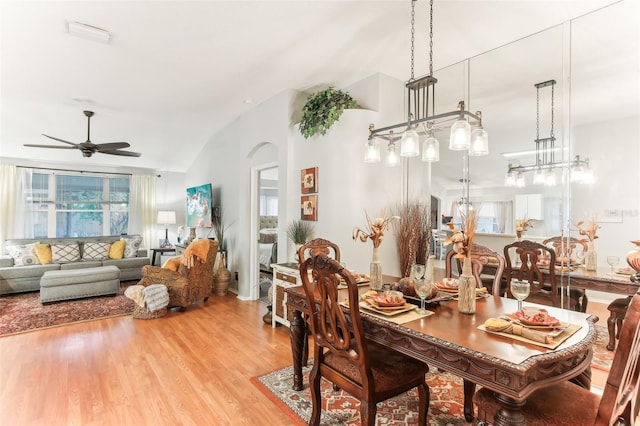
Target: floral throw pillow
(132,245)
(24,254)
(96,251)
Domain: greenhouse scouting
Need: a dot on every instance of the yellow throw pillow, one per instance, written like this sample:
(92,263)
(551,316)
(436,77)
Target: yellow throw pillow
(172,264)
(43,251)
(116,251)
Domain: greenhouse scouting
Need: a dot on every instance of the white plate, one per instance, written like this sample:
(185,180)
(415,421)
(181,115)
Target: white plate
(408,307)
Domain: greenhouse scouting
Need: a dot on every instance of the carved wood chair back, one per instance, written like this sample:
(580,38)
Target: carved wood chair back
(319,246)
(480,257)
(565,247)
(366,370)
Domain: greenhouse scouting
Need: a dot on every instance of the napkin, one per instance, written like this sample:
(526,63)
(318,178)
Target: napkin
(504,326)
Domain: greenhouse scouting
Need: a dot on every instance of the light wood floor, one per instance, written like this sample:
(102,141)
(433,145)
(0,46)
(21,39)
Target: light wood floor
(190,368)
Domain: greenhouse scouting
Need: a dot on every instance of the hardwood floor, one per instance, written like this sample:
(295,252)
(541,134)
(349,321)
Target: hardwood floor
(190,368)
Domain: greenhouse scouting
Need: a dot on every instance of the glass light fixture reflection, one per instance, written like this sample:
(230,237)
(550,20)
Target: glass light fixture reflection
(410,143)
(372,151)
(392,159)
(538,177)
(510,179)
(520,183)
(550,178)
(479,142)
(431,149)
(460,139)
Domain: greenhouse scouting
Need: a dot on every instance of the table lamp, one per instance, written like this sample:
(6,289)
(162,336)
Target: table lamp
(166,218)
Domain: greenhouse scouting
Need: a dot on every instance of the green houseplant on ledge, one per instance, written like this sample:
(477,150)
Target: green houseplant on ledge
(324,108)
(299,231)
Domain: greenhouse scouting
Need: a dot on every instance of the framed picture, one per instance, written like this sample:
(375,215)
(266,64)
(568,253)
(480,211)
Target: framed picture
(199,206)
(309,180)
(309,207)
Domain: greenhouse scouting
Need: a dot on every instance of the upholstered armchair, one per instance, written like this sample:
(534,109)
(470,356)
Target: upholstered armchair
(192,278)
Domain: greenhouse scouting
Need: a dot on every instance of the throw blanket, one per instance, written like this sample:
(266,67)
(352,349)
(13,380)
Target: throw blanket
(154,297)
(196,250)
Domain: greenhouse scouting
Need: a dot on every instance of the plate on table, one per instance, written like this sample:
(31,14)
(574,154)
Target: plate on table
(388,310)
(448,285)
(360,280)
(625,271)
(528,318)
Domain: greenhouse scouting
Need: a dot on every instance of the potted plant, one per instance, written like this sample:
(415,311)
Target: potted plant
(222,277)
(299,232)
(324,108)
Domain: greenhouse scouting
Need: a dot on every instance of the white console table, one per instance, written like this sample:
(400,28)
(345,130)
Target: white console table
(285,275)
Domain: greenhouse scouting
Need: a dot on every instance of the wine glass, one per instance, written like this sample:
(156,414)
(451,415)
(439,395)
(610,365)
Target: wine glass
(580,255)
(613,262)
(520,290)
(417,271)
(423,289)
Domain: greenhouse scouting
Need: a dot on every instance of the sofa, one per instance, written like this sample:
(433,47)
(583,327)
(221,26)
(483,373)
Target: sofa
(19,274)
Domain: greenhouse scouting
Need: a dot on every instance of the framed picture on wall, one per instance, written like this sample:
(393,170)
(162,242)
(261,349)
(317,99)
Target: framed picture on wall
(199,201)
(309,180)
(309,207)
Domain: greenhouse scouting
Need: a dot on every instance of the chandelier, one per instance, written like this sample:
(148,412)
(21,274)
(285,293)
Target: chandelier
(545,165)
(422,120)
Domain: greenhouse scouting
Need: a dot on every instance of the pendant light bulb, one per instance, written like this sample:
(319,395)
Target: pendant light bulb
(479,142)
(460,139)
(431,149)
(392,159)
(372,151)
(410,143)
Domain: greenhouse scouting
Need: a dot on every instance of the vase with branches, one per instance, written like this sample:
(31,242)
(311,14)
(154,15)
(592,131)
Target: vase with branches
(462,239)
(590,231)
(413,234)
(374,231)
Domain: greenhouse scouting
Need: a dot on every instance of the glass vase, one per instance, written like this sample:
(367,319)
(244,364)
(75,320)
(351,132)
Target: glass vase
(633,259)
(591,258)
(467,289)
(375,271)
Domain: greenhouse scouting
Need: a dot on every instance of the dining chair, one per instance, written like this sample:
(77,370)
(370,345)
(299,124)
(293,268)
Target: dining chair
(568,404)
(566,249)
(342,354)
(480,257)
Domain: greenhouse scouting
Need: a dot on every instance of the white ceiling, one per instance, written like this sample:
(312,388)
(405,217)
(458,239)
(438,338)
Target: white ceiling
(176,72)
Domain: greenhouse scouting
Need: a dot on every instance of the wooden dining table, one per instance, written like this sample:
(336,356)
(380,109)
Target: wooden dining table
(452,341)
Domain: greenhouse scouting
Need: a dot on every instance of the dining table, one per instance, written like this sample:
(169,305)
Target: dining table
(456,342)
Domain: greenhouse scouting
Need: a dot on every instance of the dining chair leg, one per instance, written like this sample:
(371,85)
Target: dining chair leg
(469,390)
(367,413)
(424,397)
(316,396)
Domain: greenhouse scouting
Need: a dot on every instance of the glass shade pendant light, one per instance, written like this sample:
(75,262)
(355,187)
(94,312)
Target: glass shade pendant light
(460,138)
(479,142)
(520,183)
(538,176)
(510,179)
(431,148)
(550,178)
(392,159)
(372,151)
(410,143)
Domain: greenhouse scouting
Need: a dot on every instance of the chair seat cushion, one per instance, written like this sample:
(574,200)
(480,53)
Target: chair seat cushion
(562,404)
(389,368)
(619,305)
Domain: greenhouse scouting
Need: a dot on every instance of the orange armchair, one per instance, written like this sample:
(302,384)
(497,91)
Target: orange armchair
(193,279)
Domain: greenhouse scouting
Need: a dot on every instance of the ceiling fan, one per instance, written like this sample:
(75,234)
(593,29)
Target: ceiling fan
(89,148)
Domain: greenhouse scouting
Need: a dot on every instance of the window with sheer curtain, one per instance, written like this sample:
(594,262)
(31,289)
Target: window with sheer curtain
(77,205)
(492,217)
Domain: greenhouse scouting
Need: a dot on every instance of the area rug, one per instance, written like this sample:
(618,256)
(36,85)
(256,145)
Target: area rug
(24,312)
(602,358)
(339,408)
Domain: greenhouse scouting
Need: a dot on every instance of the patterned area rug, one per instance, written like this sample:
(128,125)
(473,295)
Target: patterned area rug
(602,358)
(339,408)
(24,312)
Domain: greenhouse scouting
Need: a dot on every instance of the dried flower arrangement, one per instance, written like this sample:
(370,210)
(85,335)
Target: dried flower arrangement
(463,238)
(375,229)
(412,235)
(522,225)
(589,231)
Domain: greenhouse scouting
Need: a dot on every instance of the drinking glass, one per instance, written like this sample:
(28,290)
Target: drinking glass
(423,289)
(417,271)
(580,256)
(613,262)
(520,290)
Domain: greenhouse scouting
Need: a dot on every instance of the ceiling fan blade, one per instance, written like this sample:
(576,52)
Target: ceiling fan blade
(111,146)
(60,140)
(49,146)
(123,153)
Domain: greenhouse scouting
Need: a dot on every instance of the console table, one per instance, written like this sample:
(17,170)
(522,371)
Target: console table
(285,275)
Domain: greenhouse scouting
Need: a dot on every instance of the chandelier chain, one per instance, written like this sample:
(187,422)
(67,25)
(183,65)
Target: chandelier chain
(431,38)
(553,86)
(413,23)
(537,113)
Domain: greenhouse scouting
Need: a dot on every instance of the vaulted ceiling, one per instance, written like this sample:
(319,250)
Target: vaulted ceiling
(175,72)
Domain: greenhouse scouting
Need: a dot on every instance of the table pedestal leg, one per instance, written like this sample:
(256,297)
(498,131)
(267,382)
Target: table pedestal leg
(469,390)
(583,379)
(509,413)
(297,333)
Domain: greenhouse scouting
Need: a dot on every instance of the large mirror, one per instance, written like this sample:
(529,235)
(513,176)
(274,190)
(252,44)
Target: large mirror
(594,61)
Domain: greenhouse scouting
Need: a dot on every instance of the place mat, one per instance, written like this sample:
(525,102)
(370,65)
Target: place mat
(557,340)
(402,318)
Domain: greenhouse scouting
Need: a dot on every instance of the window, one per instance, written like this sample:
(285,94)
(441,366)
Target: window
(77,205)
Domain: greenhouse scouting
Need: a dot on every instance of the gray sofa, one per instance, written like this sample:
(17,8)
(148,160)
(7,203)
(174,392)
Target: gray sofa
(19,279)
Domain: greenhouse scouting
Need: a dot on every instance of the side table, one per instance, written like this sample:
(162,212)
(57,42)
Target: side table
(159,251)
(285,275)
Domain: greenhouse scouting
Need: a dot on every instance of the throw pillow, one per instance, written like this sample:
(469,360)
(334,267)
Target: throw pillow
(65,253)
(173,264)
(23,254)
(116,250)
(96,251)
(132,245)
(43,251)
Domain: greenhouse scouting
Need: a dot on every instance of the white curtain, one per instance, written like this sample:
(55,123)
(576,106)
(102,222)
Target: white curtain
(142,207)
(504,216)
(8,197)
(24,204)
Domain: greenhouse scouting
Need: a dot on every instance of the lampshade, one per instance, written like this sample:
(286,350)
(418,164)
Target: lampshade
(538,177)
(409,144)
(392,158)
(550,178)
(479,142)
(372,151)
(166,217)
(431,149)
(460,135)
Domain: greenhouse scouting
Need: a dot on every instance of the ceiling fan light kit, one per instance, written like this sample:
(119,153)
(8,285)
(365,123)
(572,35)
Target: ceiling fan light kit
(89,148)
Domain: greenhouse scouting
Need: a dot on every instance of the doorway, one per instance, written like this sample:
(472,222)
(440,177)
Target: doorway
(265,216)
